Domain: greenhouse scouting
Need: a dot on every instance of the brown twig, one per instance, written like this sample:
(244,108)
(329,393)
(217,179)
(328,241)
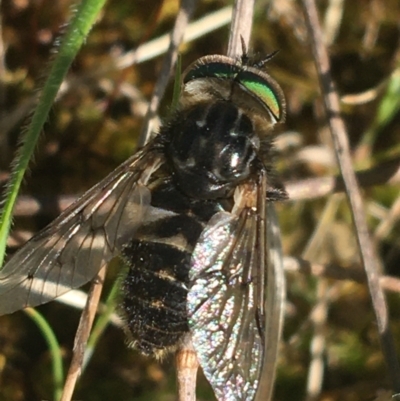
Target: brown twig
(241,26)
(82,335)
(340,141)
(187,366)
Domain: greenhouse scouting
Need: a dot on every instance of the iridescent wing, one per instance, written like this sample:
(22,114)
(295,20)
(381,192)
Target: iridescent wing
(71,250)
(226,299)
(275,305)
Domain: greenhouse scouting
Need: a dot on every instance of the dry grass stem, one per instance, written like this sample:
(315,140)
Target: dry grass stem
(331,102)
(82,334)
(158,46)
(387,224)
(186,367)
(333,20)
(318,342)
(241,26)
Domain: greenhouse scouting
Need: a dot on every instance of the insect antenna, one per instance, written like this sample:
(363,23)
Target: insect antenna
(245,55)
(260,64)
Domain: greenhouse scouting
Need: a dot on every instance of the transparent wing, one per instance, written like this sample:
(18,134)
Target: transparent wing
(275,305)
(226,298)
(71,250)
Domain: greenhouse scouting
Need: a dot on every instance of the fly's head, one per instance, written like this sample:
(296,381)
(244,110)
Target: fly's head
(226,109)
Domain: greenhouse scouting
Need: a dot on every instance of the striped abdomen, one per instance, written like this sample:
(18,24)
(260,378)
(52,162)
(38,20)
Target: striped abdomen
(155,289)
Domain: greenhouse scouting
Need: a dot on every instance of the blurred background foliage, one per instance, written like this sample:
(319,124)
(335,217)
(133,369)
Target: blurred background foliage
(94,126)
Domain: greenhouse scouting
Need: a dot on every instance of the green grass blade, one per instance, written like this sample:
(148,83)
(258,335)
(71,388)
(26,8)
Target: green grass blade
(387,110)
(81,22)
(56,357)
(177,83)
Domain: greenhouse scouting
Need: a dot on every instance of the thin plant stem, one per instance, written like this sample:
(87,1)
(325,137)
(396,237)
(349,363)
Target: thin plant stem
(55,351)
(341,144)
(82,335)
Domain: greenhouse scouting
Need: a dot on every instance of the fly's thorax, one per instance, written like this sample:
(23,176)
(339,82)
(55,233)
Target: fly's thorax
(212,148)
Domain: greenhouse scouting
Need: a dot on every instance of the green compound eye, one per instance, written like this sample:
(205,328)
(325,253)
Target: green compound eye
(212,70)
(263,90)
